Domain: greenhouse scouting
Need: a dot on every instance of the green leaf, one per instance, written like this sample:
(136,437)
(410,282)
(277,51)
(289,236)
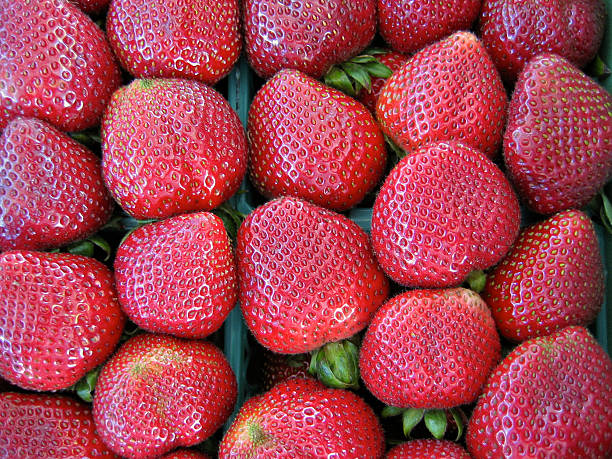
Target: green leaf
(378,70)
(374,51)
(85,386)
(363,59)
(458,421)
(357,73)
(337,78)
(606,212)
(390,411)
(398,153)
(85,248)
(101,243)
(435,420)
(598,69)
(410,418)
(337,365)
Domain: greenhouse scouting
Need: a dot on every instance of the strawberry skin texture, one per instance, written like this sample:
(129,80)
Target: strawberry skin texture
(158,392)
(306,36)
(448,91)
(171,146)
(314,142)
(303,418)
(429,349)
(550,397)
(394,61)
(52,191)
(427,449)
(177,276)
(185,454)
(307,276)
(557,146)
(93,7)
(275,368)
(407,26)
(551,278)
(59,318)
(48,426)
(194,39)
(443,211)
(55,64)
(515,31)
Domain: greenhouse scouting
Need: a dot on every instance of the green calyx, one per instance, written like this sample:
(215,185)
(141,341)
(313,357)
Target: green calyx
(477,280)
(337,365)
(85,386)
(436,420)
(356,74)
(231,217)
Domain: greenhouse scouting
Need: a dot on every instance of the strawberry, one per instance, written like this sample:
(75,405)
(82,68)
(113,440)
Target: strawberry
(48,426)
(93,7)
(393,60)
(427,449)
(303,418)
(177,276)
(442,212)
(312,141)
(196,39)
(309,37)
(171,146)
(38,162)
(407,26)
(551,278)
(550,397)
(159,392)
(448,91)
(275,368)
(59,318)
(557,143)
(515,31)
(55,64)
(185,454)
(307,276)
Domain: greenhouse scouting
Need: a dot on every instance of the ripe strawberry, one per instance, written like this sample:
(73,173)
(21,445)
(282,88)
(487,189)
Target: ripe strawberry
(407,26)
(427,449)
(515,31)
(443,211)
(551,278)
(310,37)
(185,454)
(557,143)
(52,188)
(94,7)
(312,141)
(303,418)
(307,276)
(393,60)
(447,91)
(171,146)
(59,318)
(159,392)
(55,64)
(551,397)
(177,276)
(196,39)
(47,426)
(275,368)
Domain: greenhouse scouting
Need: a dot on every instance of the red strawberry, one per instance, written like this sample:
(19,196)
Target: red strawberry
(159,392)
(185,454)
(447,91)
(196,39)
(551,397)
(171,146)
(52,189)
(551,278)
(393,60)
(443,211)
(314,142)
(557,143)
(309,36)
(303,418)
(275,368)
(55,64)
(427,449)
(177,276)
(407,26)
(59,318)
(515,31)
(47,426)
(92,6)
(307,276)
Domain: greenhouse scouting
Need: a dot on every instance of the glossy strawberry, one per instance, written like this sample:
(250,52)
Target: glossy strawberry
(515,31)
(307,276)
(303,418)
(195,39)
(52,189)
(55,64)
(394,61)
(171,146)
(48,426)
(557,143)
(306,36)
(427,449)
(551,397)
(158,392)
(443,211)
(314,142)
(177,276)
(59,318)
(407,26)
(448,91)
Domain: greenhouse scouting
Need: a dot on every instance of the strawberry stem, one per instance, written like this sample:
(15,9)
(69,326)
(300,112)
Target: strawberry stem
(477,280)
(85,386)
(356,74)
(336,365)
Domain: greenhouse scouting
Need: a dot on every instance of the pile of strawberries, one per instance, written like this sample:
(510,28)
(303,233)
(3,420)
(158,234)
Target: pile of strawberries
(475,136)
